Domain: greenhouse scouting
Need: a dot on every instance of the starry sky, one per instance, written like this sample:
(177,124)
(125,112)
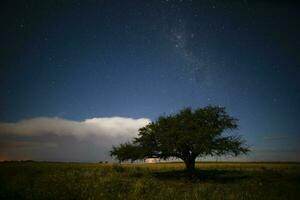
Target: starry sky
(68,67)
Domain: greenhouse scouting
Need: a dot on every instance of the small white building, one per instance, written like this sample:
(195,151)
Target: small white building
(151,160)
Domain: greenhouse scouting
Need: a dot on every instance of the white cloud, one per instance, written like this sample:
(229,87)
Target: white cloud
(57,139)
(108,126)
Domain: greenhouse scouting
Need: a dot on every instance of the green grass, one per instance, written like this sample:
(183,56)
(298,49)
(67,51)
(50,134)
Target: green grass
(38,180)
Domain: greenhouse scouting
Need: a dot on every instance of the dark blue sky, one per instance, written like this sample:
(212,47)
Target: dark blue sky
(82,59)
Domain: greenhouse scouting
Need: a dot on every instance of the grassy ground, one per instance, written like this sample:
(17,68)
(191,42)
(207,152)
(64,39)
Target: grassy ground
(149,181)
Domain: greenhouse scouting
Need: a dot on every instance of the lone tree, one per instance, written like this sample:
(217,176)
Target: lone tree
(187,135)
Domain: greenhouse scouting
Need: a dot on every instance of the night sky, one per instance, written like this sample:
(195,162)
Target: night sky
(68,67)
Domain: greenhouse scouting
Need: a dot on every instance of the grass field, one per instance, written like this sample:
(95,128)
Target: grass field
(38,180)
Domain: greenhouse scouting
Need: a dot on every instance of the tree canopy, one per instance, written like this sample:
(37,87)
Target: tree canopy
(187,135)
(125,152)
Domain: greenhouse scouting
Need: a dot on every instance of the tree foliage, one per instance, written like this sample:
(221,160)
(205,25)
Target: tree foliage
(125,152)
(186,135)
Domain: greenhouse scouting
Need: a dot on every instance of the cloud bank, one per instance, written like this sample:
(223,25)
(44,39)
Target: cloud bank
(46,138)
(110,126)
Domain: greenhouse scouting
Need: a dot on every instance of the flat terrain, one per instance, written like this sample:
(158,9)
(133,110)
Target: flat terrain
(40,180)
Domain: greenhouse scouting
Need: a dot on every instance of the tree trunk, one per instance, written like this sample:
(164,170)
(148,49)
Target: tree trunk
(190,166)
